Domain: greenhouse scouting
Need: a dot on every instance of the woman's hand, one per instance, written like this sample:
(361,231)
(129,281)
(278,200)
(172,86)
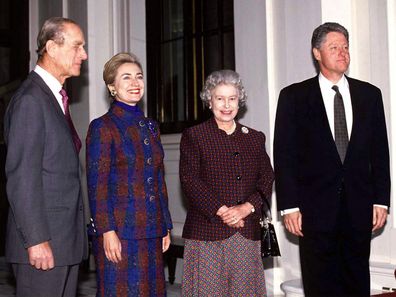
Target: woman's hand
(112,246)
(234,215)
(166,242)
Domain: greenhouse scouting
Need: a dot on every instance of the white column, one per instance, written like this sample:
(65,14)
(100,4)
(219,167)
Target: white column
(33,31)
(137,37)
(100,49)
(391,16)
(251,62)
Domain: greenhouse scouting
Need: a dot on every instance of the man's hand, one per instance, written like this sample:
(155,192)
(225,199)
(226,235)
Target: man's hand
(40,256)
(166,241)
(379,217)
(112,246)
(293,222)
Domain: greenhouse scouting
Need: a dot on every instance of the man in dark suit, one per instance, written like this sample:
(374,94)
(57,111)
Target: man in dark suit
(46,238)
(332,169)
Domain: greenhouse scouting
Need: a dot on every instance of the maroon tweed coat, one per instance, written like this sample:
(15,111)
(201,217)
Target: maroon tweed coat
(218,169)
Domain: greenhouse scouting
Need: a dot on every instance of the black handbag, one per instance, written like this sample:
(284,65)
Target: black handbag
(269,242)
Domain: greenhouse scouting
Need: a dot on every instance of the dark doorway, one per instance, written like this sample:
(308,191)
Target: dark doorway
(14,67)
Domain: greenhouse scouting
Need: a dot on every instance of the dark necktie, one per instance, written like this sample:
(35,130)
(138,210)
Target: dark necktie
(65,101)
(340,126)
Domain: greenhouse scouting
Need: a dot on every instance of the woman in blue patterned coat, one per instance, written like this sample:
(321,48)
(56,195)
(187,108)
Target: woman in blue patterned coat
(225,173)
(126,187)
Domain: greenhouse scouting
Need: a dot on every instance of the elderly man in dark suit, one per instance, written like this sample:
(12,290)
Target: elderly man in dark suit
(332,169)
(46,238)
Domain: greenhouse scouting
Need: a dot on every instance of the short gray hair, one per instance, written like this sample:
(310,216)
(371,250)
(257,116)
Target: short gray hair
(223,77)
(53,29)
(320,33)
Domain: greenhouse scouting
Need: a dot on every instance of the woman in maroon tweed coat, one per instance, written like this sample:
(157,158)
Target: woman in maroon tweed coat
(225,173)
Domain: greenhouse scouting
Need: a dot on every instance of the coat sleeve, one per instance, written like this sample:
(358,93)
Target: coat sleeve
(380,155)
(99,154)
(164,192)
(200,195)
(25,136)
(265,178)
(285,153)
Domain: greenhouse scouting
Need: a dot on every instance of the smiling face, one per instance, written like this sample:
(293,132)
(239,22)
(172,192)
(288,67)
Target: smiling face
(224,104)
(333,56)
(128,84)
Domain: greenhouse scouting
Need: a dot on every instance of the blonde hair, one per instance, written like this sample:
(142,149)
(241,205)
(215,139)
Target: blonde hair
(112,65)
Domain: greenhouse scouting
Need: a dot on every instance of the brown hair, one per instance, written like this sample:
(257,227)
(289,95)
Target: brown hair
(112,65)
(52,30)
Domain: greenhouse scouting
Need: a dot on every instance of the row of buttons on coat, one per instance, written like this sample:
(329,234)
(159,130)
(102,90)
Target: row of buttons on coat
(238,177)
(149,161)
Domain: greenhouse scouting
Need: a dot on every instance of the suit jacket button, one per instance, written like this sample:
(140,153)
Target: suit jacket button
(141,123)
(149,161)
(150,180)
(146,141)
(152,198)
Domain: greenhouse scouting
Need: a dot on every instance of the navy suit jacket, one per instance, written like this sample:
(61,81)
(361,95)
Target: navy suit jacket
(308,171)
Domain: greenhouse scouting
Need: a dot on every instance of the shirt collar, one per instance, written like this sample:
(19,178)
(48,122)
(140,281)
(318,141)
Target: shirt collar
(49,80)
(327,84)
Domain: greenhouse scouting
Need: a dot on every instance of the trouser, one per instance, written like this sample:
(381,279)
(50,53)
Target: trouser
(61,281)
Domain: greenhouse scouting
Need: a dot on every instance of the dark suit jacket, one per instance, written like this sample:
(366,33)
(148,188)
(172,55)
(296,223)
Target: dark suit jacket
(43,182)
(218,169)
(308,171)
(125,175)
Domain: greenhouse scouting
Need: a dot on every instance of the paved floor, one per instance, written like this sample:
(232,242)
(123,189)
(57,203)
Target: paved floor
(86,288)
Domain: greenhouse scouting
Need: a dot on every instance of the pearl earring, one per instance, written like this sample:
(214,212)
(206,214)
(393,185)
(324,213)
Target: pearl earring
(113,93)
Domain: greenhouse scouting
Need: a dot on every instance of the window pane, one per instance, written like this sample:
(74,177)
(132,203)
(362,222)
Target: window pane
(212,54)
(228,12)
(4,15)
(228,50)
(173,19)
(173,105)
(210,15)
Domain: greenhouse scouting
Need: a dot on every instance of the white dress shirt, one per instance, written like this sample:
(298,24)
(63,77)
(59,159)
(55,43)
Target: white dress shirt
(328,100)
(54,85)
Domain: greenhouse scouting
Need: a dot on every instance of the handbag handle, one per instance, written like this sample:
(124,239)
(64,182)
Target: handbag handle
(266,212)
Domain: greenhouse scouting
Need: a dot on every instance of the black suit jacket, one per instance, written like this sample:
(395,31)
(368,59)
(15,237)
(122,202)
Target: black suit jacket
(308,171)
(43,179)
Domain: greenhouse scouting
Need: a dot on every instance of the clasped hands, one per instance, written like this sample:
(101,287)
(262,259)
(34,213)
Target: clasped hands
(234,216)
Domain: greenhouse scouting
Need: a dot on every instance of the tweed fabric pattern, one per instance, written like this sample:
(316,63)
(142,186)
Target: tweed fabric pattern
(125,175)
(230,267)
(140,272)
(340,125)
(218,169)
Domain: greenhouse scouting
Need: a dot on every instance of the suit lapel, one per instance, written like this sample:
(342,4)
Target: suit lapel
(51,98)
(54,103)
(356,114)
(318,112)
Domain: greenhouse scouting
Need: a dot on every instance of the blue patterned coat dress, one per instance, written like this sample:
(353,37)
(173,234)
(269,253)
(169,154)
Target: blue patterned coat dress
(127,194)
